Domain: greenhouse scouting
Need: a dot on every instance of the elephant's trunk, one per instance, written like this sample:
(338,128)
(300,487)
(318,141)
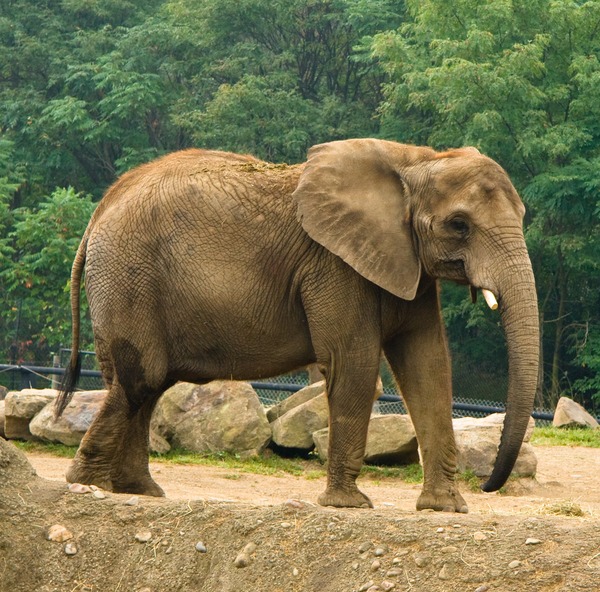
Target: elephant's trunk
(518,306)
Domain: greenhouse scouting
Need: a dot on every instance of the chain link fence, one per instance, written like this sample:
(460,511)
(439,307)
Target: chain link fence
(270,392)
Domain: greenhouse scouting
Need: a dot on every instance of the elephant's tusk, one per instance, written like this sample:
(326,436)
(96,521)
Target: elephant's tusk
(490,299)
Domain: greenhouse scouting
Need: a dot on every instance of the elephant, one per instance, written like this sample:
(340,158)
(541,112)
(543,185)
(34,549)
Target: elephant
(205,265)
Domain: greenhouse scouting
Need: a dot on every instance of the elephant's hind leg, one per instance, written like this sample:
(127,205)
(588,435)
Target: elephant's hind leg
(114,452)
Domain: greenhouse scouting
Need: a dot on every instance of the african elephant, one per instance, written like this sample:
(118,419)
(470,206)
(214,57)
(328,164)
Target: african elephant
(204,265)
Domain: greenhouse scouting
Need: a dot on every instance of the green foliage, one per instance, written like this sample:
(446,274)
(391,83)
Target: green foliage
(38,251)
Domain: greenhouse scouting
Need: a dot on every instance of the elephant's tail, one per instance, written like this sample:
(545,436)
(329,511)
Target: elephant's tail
(69,382)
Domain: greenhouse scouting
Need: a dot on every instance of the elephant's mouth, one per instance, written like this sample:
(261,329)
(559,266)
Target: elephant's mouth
(453,270)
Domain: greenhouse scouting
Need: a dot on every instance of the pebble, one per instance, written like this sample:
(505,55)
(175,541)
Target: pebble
(444,572)
(379,552)
(294,504)
(133,501)
(532,541)
(295,572)
(98,494)
(286,525)
(457,526)
(59,533)
(386,585)
(143,536)
(71,548)
(365,547)
(242,560)
(394,572)
(422,560)
(355,565)
(514,564)
(375,565)
(479,536)
(440,529)
(366,586)
(201,547)
(483,588)
(79,488)
(249,548)
(449,549)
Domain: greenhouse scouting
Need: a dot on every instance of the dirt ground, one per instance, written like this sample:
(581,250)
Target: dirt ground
(263,533)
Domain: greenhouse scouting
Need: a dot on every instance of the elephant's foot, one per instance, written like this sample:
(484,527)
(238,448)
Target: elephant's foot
(442,500)
(145,485)
(344,498)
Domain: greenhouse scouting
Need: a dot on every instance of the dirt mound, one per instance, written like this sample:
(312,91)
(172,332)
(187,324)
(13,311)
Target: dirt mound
(284,545)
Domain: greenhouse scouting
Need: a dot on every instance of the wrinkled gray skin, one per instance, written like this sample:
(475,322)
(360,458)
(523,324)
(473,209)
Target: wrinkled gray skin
(206,265)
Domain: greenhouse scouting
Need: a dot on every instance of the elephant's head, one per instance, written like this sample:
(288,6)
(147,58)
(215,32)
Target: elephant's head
(394,212)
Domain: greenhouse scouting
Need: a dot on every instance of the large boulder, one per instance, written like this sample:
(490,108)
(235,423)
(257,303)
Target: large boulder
(21,407)
(391,439)
(220,416)
(477,442)
(294,429)
(74,421)
(569,414)
(298,398)
(2,405)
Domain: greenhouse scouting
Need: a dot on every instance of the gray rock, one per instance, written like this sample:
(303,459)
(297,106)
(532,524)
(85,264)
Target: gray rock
(302,396)
(570,414)
(74,421)
(221,416)
(295,428)
(391,439)
(21,407)
(2,405)
(477,442)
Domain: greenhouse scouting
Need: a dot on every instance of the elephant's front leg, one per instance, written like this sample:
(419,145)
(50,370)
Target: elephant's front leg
(350,397)
(420,361)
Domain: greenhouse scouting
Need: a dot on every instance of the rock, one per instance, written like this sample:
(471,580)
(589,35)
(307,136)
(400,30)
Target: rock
(386,585)
(295,428)
(244,558)
(71,548)
(532,541)
(201,547)
(100,495)
(158,444)
(375,565)
(132,501)
(514,564)
(79,488)
(74,421)
(477,442)
(570,414)
(444,573)
(143,536)
(3,392)
(21,407)
(391,439)
(479,536)
(221,416)
(2,405)
(59,533)
(298,398)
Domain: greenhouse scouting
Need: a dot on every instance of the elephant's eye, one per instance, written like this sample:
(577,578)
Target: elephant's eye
(458,225)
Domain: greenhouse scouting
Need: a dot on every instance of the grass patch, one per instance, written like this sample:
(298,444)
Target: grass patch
(265,464)
(407,473)
(551,436)
(46,448)
(470,479)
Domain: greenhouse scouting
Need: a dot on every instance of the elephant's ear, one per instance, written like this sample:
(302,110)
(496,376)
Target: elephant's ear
(353,198)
